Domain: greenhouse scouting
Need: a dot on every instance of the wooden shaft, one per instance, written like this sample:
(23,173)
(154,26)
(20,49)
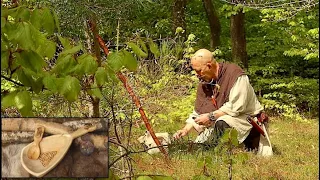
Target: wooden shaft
(82,131)
(38,135)
(135,99)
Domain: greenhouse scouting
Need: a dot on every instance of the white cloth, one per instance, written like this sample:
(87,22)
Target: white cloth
(242,102)
(265,148)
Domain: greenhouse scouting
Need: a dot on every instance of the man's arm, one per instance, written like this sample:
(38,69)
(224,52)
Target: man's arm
(183,132)
(236,104)
(190,124)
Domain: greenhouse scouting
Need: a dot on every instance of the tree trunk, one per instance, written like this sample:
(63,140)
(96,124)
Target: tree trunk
(214,23)
(238,38)
(178,16)
(96,106)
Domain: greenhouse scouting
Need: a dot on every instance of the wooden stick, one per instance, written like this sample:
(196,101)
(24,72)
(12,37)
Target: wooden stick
(135,99)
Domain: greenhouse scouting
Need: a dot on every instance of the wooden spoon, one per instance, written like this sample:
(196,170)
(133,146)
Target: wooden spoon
(34,150)
(53,149)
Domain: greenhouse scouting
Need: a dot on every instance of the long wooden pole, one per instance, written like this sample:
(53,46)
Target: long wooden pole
(135,99)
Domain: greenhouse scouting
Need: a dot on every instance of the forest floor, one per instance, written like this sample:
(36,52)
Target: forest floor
(296,156)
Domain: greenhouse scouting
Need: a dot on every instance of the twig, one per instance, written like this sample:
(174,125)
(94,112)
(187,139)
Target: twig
(14,82)
(131,152)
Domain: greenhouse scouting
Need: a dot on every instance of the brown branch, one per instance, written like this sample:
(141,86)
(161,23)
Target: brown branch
(128,152)
(135,99)
(141,111)
(94,29)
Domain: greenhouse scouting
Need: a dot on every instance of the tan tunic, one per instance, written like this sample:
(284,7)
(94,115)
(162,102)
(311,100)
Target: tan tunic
(242,102)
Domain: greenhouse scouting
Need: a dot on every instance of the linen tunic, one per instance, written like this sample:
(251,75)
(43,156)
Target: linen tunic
(242,102)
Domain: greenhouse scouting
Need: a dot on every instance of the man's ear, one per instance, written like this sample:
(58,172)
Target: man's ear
(209,64)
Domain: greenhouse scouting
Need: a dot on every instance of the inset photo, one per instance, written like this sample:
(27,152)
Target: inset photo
(54,147)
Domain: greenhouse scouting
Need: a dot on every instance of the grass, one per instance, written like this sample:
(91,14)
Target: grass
(296,147)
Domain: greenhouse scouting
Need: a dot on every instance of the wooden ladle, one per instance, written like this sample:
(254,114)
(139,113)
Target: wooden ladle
(34,150)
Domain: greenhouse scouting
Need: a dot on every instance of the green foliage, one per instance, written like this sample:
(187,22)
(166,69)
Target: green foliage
(28,41)
(136,49)
(19,99)
(70,88)
(116,60)
(87,65)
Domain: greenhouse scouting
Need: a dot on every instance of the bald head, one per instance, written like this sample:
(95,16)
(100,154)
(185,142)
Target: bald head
(204,64)
(202,56)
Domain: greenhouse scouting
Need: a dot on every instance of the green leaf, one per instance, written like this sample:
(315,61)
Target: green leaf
(4,11)
(35,18)
(143,46)
(144,178)
(13,31)
(129,61)
(71,51)
(37,85)
(154,49)
(101,76)
(87,64)
(95,91)
(50,82)
(23,14)
(56,20)
(65,42)
(64,64)
(13,11)
(137,50)
(24,77)
(114,60)
(3,22)
(48,21)
(30,60)
(8,100)
(23,103)
(47,50)
(234,137)
(4,45)
(30,79)
(225,137)
(208,160)
(111,74)
(21,33)
(70,88)
(4,59)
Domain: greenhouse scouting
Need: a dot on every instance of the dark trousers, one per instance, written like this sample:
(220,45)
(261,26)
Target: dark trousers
(251,142)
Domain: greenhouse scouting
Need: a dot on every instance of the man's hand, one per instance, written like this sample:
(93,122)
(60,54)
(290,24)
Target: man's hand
(203,119)
(180,133)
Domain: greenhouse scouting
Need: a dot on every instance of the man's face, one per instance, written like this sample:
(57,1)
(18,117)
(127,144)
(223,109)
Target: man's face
(204,70)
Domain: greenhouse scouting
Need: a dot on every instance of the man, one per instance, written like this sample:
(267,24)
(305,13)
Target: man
(225,98)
